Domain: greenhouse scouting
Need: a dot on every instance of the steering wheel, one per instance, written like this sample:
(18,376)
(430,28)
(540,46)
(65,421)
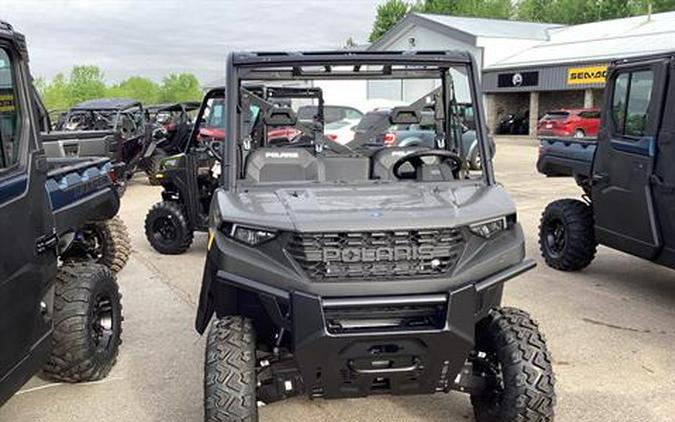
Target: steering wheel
(449,161)
(214,150)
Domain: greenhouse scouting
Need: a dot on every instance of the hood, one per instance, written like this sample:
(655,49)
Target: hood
(400,205)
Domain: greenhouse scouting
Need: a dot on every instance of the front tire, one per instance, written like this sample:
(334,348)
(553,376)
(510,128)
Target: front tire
(167,228)
(566,237)
(515,352)
(229,371)
(87,323)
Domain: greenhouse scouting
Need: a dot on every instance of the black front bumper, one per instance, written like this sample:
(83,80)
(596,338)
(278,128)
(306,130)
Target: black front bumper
(384,360)
(410,349)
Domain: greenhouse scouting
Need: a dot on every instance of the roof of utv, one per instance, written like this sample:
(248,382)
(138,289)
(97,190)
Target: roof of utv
(106,104)
(349,57)
(8,32)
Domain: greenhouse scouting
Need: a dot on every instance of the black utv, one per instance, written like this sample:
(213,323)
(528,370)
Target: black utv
(188,179)
(347,270)
(627,174)
(60,306)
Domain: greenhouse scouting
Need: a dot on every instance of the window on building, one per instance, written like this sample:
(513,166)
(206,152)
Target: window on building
(10,119)
(630,103)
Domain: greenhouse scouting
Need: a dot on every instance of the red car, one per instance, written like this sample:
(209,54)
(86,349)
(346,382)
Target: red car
(578,123)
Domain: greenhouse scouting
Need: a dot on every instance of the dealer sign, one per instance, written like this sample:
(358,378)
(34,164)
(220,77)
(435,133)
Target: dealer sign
(587,75)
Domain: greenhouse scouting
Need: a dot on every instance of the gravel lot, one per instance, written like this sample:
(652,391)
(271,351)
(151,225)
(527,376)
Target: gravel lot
(611,329)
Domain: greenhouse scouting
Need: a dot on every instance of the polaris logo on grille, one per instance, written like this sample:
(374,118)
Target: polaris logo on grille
(390,254)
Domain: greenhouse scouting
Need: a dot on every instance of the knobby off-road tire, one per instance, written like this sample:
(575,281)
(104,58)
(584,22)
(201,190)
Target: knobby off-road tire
(229,372)
(116,244)
(153,165)
(103,242)
(525,391)
(87,323)
(167,228)
(566,237)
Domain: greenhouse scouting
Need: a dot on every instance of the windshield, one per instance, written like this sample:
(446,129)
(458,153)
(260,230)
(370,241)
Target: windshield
(288,130)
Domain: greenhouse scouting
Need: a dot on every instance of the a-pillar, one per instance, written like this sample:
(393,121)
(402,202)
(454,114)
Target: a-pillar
(534,113)
(588,98)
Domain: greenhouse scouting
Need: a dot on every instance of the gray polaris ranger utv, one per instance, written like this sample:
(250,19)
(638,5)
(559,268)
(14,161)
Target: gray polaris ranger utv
(346,269)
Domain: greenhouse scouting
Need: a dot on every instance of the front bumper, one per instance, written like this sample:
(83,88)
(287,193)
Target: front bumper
(380,344)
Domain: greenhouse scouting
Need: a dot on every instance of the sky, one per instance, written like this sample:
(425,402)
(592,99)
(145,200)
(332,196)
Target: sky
(155,37)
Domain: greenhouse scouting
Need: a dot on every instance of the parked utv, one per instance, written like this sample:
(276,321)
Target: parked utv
(627,176)
(339,271)
(172,125)
(110,127)
(60,309)
(188,179)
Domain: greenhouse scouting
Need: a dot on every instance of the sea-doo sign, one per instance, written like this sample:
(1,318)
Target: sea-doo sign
(587,75)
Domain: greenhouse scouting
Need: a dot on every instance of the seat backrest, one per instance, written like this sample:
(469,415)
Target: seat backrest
(384,160)
(283,165)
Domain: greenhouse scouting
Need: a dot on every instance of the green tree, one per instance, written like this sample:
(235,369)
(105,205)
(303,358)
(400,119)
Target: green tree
(180,87)
(388,15)
(55,94)
(85,83)
(138,88)
(496,9)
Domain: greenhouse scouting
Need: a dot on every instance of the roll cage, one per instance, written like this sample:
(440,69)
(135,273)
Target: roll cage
(324,65)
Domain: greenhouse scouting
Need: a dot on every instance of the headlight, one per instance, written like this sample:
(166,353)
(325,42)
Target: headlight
(489,228)
(251,235)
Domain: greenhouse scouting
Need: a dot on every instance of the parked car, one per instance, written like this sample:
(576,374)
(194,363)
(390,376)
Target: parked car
(415,135)
(60,309)
(577,123)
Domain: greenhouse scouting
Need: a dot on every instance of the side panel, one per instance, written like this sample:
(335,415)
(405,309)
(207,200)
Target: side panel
(27,264)
(663,181)
(623,200)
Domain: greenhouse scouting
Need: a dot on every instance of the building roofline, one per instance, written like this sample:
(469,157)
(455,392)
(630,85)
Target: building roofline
(412,19)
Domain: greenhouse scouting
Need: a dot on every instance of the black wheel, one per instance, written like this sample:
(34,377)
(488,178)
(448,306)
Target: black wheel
(153,165)
(566,237)
(167,228)
(512,352)
(229,371)
(87,323)
(103,242)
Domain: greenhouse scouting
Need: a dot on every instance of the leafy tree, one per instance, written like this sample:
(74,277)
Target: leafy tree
(138,88)
(180,87)
(85,83)
(388,15)
(496,9)
(55,94)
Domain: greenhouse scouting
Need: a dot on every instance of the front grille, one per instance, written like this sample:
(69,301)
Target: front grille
(386,255)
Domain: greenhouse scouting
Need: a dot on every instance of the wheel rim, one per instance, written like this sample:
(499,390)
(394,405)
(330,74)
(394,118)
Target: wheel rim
(478,162)
(579,134)
(164,230)
(555,238)
(102,326)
